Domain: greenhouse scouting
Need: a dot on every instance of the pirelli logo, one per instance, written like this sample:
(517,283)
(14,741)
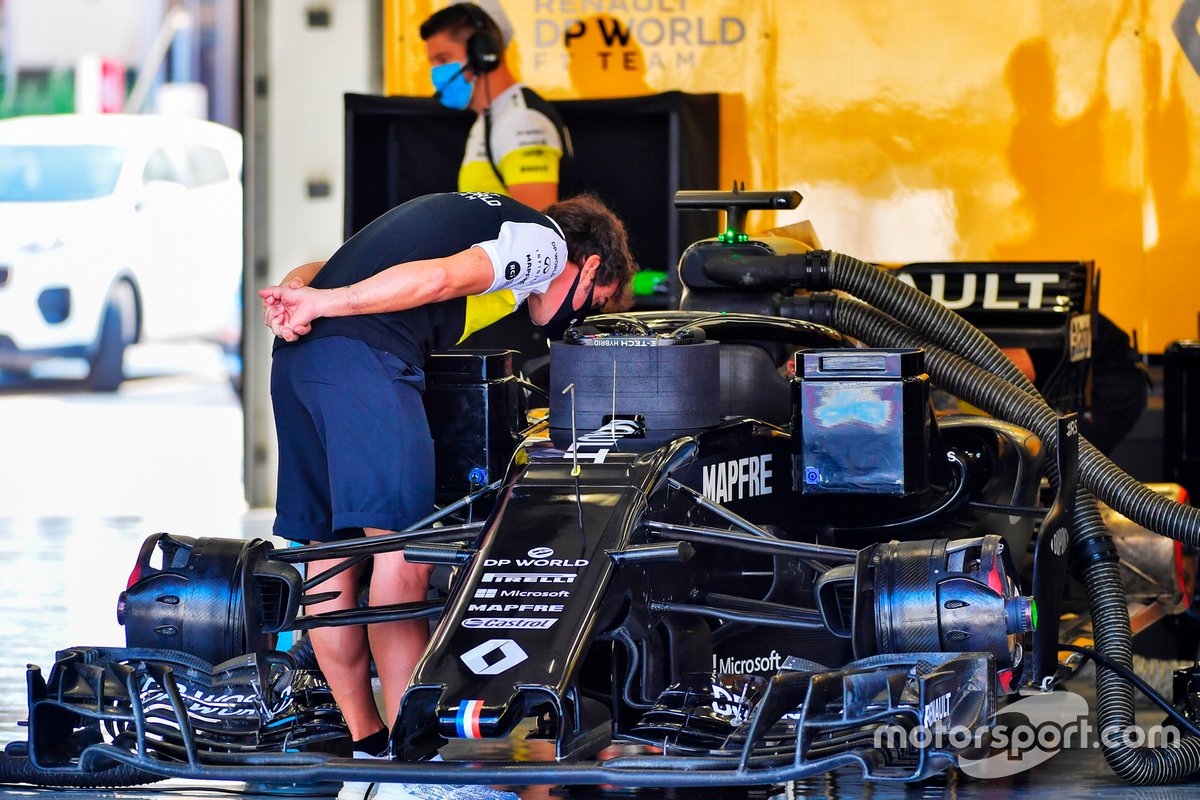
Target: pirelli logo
(528,577)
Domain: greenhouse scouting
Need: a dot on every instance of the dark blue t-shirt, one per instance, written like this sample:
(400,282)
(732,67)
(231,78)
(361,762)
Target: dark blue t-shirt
(526,247)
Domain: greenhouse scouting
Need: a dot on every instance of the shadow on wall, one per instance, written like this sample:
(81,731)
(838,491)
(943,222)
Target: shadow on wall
(1171,237)
(1074,210)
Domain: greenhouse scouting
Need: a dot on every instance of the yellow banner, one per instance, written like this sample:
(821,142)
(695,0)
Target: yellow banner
(942,130)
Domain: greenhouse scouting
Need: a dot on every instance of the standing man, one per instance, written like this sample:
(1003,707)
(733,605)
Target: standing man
(355,453)
(518,139)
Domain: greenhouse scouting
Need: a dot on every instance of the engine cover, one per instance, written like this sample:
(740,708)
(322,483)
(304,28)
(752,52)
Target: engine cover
(669,384)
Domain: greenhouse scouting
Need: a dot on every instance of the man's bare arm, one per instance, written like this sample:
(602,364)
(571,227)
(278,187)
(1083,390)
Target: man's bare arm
(415,284)
(290,311)
(304,273)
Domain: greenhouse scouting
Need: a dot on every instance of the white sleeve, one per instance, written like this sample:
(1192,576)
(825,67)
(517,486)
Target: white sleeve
(525,257)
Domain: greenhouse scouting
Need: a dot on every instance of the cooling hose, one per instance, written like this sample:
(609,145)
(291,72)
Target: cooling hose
(1158,673)
(1142,766)
(883,290)
(1091,543)
(967,363)
(983,376)
(819,270)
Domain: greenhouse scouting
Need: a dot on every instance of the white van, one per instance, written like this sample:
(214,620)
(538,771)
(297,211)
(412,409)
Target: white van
(115,229)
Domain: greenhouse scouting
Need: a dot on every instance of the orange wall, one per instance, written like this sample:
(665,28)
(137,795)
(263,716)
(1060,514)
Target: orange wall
(946,129)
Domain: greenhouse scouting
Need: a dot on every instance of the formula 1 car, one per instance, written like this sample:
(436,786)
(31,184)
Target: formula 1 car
(738,540)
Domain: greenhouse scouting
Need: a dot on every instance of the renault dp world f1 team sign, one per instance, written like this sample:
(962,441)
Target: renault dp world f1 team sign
(624,41)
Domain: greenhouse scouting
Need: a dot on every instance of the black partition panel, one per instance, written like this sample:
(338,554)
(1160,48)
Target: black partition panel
(634,153)
(398,148)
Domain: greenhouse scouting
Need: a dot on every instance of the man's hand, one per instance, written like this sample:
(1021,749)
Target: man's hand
(289,310)
(301,276)
(268,310)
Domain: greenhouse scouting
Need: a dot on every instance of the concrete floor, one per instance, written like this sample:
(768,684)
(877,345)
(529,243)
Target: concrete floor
(85,478)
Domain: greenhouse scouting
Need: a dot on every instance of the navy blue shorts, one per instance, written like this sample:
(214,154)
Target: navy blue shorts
(354,444)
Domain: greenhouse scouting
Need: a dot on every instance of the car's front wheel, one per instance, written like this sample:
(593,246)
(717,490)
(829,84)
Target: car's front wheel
(118,329)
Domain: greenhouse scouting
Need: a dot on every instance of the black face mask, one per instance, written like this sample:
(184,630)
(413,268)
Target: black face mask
(566,315)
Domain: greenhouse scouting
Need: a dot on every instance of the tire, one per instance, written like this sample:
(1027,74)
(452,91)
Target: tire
(19,769)
(118,329)
(14,376)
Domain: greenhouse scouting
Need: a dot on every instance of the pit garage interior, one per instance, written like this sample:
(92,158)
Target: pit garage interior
(843,214)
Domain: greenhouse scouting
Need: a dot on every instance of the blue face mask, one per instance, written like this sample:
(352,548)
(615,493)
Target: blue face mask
(453,88)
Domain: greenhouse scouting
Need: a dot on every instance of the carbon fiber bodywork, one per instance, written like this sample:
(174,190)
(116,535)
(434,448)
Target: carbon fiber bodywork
(573,614)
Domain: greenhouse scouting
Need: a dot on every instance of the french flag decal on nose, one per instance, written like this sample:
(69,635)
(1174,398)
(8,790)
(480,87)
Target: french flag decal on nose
(467,719)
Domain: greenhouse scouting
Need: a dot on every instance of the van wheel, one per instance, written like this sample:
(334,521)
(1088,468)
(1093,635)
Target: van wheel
(14,375)
(117,331)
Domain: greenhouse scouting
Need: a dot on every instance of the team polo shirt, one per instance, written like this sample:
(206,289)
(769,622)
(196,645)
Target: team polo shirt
(526,144)
(526,248)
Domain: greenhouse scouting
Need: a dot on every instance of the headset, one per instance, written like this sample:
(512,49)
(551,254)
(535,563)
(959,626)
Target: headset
(483,47)
(484,53)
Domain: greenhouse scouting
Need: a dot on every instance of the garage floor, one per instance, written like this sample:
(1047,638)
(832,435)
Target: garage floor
(167,456)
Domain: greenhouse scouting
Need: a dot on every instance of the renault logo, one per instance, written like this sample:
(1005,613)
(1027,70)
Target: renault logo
(482,659)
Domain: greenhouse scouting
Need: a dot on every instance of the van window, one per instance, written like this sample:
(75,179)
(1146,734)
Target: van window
(207,164)
(160,166)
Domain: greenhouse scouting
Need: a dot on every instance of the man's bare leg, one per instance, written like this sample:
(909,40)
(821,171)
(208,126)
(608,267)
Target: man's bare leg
(397,646)
(342,652)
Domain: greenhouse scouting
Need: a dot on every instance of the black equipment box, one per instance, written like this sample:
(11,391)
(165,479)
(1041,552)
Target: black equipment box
(473,403)
(669,385)
(860,422)
(1181,415)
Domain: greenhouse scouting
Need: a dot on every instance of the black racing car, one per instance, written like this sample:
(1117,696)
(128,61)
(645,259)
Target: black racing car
(739,539)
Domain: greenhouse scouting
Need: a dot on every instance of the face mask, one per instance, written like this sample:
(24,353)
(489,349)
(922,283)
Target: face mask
(453,88)
(566,314)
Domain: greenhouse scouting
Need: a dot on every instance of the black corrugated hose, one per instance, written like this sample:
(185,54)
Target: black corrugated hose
(989,380)
(885,292)
(1114,695)
(938,324)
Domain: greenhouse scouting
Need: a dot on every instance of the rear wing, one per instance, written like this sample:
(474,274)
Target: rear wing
(1046,307)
